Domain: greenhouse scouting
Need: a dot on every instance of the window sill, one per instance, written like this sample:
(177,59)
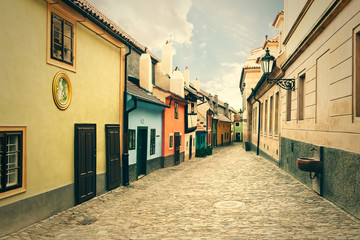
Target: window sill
(12,193)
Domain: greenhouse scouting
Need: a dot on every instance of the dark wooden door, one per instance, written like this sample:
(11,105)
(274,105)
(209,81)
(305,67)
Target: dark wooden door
(177,148)
(141,151)
(113,170)
(222,139)
(85,162)
(190,147)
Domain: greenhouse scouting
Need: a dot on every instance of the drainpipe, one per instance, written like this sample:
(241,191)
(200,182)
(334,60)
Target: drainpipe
(258,141)
(125,155)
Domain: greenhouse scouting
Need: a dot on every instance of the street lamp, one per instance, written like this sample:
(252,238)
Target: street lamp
(267,64)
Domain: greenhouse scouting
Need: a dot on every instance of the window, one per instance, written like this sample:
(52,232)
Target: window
(271,115)
(266,117)
(61,39)
(237,124)
(301,97)
(131,139)
(152,141)
(357,71)
(171,141)
(261,117)
(12,162)
(176,110)
(192,107)
(288,106)
(277,101)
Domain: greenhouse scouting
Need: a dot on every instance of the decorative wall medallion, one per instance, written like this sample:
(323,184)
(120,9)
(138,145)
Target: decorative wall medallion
(62,90)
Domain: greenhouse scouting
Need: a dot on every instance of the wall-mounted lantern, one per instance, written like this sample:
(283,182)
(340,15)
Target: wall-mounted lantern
(267,64)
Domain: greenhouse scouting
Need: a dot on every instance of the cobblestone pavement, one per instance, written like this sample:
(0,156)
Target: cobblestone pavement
(232,194)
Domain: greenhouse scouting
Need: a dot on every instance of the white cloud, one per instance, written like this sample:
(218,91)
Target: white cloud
(151,22)
(227,86)
(243,53)
(202,45)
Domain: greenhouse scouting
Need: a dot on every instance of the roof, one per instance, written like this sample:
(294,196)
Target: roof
(142,95)
(174,96)
(107,23)
(222,118)
(277,17)
(200,128)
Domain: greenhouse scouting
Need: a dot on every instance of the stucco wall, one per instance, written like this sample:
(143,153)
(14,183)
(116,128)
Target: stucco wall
(223,128)
(187,145)
(26,94)
(150,116)
(172,125)
(328,66)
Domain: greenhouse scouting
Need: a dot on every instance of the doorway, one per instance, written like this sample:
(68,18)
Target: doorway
(141,153)
(85,162)
(177,141)
(113,171)
(190,147)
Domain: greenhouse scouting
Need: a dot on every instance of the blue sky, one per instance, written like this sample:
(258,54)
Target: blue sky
(212,37)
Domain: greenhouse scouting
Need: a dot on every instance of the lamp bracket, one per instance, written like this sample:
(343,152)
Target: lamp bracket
(287,83)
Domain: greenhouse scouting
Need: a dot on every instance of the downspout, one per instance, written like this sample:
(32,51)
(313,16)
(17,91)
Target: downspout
(125,155)
(258,141)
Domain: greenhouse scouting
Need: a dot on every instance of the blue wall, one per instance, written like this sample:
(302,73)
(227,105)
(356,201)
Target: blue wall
(150,116)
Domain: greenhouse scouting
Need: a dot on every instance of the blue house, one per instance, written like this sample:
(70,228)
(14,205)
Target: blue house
(145,131)
(145,118)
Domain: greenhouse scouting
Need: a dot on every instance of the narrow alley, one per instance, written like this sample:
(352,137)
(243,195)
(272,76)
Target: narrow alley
(232,194)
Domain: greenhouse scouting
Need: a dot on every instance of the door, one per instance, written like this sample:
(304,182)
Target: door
(141,158)
(190,147)
(85,162)
(222,139)
(113,171)
(177,148)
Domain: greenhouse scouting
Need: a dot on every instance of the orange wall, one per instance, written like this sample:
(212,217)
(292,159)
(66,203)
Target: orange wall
(223,128)
(172,125)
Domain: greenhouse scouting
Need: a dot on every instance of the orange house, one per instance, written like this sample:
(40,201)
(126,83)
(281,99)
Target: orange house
(173,147)
(223,130)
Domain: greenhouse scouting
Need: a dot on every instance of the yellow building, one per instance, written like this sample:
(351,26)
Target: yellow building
(61,104)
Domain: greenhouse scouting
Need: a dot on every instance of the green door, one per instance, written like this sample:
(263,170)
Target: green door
(141,151)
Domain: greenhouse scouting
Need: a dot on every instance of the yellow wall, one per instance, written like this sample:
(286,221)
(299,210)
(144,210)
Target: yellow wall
(26,94)
(328,65)
(223,128)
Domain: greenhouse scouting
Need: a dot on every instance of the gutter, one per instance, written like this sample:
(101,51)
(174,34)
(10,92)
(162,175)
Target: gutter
(125,155)
(253,92)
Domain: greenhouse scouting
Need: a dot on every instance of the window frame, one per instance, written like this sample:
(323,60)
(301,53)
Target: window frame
(22,180)
(49,54)
(171,141)
(301,96)
(132,137)
(152,141)
(356,72)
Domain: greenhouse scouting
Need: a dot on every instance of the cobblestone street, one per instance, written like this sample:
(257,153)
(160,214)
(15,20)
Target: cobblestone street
(232,194)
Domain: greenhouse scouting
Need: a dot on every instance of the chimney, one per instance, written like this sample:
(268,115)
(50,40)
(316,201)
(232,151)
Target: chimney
(216,103)
(211,101)
(187,77)
(227,110)
(145,72)
(177,83)
(197,84)
(167,58)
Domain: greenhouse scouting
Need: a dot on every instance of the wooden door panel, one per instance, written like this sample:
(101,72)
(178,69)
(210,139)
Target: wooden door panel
(113,170)
(85,162)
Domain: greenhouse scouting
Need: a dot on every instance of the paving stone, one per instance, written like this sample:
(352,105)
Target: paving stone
(181,202)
